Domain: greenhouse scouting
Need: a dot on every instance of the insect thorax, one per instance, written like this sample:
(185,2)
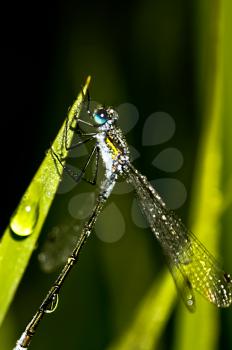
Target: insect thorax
(114,151)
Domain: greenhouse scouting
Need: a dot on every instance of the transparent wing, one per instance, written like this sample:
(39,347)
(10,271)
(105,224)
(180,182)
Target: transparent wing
(62,239)
(183,285)
(56,249)
(191,265)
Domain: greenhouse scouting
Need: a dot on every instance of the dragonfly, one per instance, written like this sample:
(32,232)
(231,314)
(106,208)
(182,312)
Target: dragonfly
(193,268)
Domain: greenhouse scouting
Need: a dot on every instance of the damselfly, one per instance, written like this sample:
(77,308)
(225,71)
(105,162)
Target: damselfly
(191,265)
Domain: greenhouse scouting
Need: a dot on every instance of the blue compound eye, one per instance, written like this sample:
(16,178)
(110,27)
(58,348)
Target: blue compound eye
(100,116)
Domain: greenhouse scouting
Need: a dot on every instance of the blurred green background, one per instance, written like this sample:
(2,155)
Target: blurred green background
(172,56)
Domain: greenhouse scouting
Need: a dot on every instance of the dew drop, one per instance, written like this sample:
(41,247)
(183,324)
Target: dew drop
(129,110)
(25,218)
(227,278)
(53,304)
(172,191)
(137,215)
(110,226)
(122,187)
(190,302)
(158,128)
(81,205)
(169,160)
(134,154)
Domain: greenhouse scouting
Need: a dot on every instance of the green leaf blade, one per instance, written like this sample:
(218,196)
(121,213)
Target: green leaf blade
(27,221)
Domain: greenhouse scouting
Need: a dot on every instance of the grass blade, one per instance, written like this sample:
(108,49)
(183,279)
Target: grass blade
(151,317)
(207,195)
(20,237)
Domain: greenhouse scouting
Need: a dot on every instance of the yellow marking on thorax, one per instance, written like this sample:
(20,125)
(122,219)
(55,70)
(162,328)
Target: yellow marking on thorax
(111,146)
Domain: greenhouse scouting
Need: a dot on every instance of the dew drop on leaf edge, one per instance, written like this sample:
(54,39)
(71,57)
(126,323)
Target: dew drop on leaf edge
(25,218)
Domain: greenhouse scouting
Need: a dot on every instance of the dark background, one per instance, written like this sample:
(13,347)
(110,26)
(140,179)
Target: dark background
(142,52)
(135,52)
